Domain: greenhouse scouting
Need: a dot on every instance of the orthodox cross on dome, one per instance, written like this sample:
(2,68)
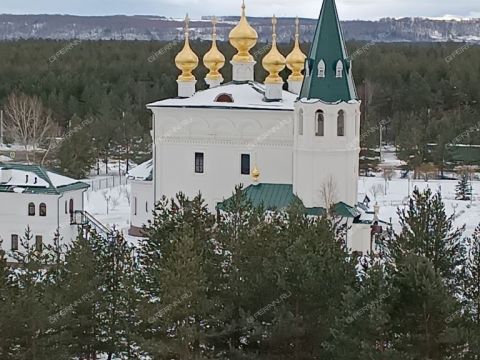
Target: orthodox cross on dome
(187,22)
(214,23)
(274,27)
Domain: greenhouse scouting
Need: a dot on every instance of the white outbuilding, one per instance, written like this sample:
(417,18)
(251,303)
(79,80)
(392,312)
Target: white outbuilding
(39,200)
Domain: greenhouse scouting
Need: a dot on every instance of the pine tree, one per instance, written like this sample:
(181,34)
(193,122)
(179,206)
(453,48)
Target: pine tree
(180,277)
(472,296)
(76,154)
(31,329)
(463,189)
(427,231)
(117,297)
(6,338)
(77,294)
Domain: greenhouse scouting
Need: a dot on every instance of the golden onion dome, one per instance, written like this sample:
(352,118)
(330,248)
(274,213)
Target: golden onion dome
(274,61)
(214,59)
(186,60)
(243,37)
(296,59)
(255,174)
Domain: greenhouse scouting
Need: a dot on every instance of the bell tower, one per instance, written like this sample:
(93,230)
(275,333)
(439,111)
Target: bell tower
(327,120)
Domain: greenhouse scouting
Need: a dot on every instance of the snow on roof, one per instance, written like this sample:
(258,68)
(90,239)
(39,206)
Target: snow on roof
(35,179)
(142,171)
(60,180)
(10,177)
(4,158)
(249,95)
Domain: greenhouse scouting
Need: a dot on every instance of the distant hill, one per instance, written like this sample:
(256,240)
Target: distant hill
(121,27)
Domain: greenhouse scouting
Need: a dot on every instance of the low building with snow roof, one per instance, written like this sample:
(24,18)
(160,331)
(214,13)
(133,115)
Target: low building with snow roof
(43,201)
(141,197)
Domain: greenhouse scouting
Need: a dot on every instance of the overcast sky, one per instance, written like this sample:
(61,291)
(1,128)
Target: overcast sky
(348,9)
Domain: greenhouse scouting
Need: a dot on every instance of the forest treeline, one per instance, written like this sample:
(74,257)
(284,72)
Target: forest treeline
(422,93)
(234,286)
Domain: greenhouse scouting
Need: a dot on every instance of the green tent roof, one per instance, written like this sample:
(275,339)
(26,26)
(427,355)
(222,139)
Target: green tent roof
(43,174)
(328,46)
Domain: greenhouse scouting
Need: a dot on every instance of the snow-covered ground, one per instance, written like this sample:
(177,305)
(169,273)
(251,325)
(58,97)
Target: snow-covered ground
(397,194)
(390,195)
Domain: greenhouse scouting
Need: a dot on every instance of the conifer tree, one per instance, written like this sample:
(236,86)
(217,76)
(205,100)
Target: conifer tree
(117,296)
(472,296)
(180,273)
(427,231)
(421,310)
(79,293)
(463,189)
(76,152)
(31,329)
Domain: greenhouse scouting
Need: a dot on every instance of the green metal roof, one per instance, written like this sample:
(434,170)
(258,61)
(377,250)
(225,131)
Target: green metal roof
(273,197)
(328,45)
(42,174)
(344,210)
(278,197)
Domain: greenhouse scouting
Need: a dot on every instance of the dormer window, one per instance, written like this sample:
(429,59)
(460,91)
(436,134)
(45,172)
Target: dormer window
(321,69)
(339,70)
(225,98)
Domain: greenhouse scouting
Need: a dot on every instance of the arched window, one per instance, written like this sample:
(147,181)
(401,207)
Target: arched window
(135,206)
(146,206)
(339,71)
(320,123)
(31,209)
(66,207)
(321,69)
(300,122)
(43,209)
(341,123)
(226,98)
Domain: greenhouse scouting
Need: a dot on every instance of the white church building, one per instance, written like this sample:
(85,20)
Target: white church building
(43,201)
(281,141)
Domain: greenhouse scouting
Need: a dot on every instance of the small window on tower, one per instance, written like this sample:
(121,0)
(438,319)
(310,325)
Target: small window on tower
(199,163)
(300,122)
(321,69)
(226,98)
(341,123)
(320,124)
(339,69)
(245,164)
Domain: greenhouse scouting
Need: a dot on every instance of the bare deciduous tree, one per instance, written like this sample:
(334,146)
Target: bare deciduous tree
(30,124)
(376,190)
(328,192)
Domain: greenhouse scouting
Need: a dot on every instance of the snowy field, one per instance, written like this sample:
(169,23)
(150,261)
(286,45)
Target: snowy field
(397,194)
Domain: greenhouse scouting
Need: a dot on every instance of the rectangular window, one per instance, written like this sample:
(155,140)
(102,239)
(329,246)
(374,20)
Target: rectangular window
(199,163)
(38,243)
(245,164)
(14,242)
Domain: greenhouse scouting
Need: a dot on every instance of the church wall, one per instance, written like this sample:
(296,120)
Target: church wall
(222,136)
(319,159)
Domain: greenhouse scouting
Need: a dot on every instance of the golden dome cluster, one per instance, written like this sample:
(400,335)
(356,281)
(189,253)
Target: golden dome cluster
(186,60)
(243,37)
